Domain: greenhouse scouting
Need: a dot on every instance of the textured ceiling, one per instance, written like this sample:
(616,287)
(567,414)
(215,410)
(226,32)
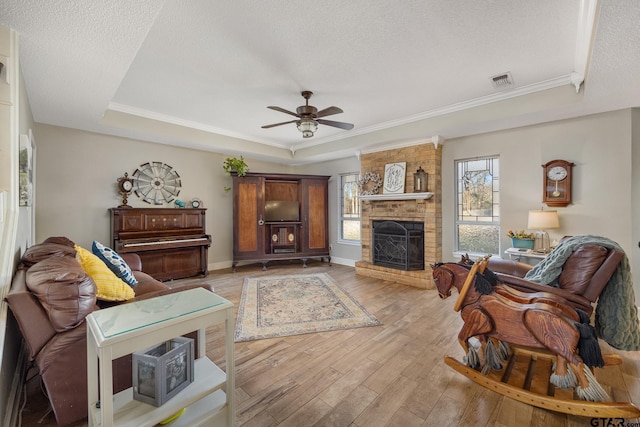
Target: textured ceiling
(212,67)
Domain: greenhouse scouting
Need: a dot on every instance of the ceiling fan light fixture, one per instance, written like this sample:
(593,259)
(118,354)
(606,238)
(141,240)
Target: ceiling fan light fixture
(308,117)
(307,127)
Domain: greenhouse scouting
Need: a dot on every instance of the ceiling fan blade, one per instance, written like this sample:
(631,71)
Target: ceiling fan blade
(341,125)
(278,124)
(329,111)
(282,110)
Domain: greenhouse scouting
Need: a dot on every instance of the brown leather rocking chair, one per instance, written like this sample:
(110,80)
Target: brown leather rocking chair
(584,275)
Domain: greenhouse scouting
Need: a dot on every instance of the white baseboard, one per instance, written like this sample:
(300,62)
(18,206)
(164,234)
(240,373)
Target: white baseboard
(343,261)
(219,265)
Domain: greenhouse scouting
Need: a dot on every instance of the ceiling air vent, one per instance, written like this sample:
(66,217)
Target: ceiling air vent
(502,81)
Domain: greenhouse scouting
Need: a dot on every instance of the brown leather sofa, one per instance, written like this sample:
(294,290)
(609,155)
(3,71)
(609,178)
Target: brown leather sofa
(52,322)
(584,275)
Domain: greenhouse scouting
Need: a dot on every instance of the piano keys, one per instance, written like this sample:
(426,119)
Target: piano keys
(171,243)
(152,244)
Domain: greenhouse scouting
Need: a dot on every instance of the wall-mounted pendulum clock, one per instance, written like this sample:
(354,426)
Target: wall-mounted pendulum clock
(556,190)
(156,183)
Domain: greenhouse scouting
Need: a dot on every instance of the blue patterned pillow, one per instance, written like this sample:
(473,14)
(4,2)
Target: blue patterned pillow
(114,262)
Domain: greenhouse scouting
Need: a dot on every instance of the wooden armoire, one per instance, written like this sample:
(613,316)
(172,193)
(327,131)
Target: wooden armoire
(280,216)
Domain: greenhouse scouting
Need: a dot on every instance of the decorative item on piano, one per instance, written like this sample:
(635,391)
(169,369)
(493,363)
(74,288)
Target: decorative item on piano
(179,203)
(125,186)
(162,371)
(196,203)
(156,183)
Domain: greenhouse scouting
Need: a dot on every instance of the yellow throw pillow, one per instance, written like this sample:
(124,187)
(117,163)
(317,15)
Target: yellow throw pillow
(109,287)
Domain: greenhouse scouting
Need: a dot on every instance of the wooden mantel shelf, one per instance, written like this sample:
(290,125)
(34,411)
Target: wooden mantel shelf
(401,196)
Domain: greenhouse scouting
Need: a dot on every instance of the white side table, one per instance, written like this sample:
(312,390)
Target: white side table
(525,255)
(123,329)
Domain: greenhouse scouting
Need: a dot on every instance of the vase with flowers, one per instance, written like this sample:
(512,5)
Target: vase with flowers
(522,239)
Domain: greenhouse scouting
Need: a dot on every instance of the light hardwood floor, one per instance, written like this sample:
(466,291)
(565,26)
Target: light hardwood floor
(389,375)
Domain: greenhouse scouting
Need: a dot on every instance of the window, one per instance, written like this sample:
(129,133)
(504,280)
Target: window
(349,208)
(478,205)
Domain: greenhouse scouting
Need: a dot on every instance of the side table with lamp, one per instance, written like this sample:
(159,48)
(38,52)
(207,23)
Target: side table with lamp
(522,250)
(542,221)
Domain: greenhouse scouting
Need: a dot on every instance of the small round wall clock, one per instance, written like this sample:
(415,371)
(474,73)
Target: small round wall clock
(156,183)
(556,190)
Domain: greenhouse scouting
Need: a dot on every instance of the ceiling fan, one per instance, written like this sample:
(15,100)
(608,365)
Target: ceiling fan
(308,117)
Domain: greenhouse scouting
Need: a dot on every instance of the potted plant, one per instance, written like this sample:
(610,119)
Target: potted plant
(237,165)
(522,239)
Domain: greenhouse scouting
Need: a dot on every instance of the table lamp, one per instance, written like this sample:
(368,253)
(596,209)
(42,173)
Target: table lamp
(543,220)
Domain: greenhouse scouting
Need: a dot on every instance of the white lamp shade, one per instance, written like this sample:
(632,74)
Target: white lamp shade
(543,220)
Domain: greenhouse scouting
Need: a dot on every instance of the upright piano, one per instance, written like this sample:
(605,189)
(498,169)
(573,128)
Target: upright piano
(172,243)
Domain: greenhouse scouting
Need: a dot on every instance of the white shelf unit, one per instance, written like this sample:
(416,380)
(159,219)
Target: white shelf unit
(205,400)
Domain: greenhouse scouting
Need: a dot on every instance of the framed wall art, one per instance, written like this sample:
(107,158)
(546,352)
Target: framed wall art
(394,174)
(25,171)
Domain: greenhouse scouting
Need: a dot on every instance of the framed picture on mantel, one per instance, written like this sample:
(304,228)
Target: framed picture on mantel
(394,174)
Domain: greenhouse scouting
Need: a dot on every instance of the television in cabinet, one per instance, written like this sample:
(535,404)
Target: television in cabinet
(280,216)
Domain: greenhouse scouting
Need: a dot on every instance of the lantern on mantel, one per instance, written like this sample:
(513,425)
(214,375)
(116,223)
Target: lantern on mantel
(420,179)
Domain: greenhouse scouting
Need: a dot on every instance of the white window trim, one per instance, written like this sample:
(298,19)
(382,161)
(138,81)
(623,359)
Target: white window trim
(339,239)
(456,213)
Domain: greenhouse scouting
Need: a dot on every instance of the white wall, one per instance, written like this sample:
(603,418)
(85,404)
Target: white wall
(77,174)
(599,145)
(15,224)
(341,253)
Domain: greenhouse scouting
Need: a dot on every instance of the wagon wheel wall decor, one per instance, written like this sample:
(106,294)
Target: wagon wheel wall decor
(156,183)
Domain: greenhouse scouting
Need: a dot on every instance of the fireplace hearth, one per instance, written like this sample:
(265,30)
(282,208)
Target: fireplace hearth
(398,244)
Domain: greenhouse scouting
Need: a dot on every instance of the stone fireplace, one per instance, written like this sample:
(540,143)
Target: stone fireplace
(408,207)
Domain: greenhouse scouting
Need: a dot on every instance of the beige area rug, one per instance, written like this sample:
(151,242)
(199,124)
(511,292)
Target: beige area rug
(277,306)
